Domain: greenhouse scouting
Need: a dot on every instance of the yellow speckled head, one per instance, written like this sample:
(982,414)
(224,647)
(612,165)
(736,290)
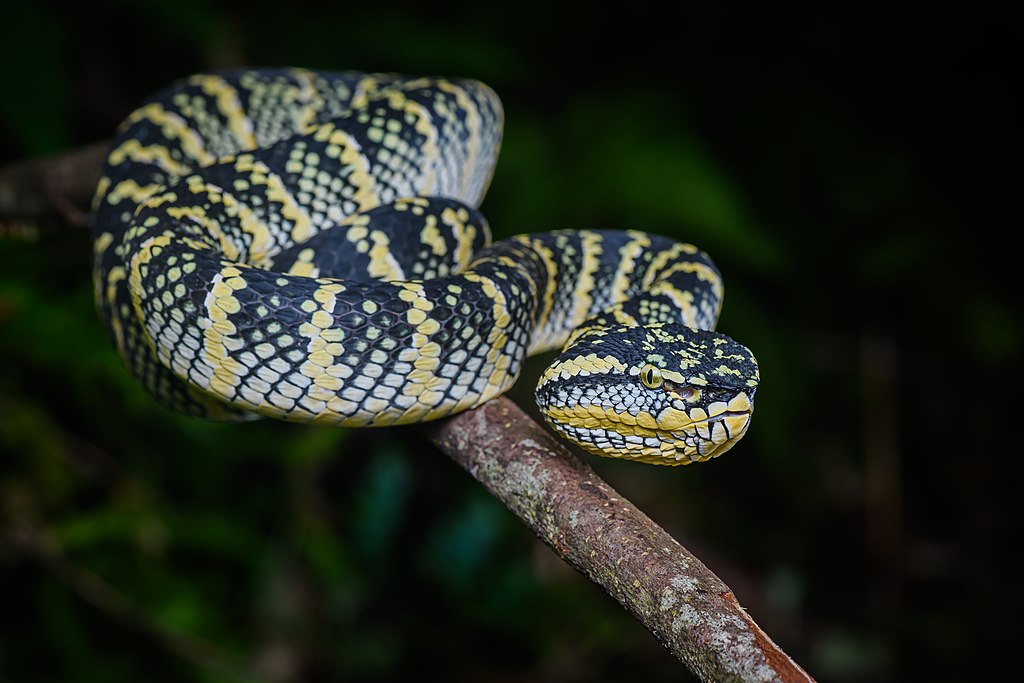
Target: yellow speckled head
(663,394)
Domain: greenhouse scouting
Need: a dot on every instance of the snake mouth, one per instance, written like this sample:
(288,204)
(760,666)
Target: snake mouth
(712,436)
(729,419)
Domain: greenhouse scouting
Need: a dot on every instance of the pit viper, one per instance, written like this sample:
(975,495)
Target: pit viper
(307,246)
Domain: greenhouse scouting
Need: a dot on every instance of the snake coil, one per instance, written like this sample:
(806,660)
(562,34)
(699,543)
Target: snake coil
(306,246)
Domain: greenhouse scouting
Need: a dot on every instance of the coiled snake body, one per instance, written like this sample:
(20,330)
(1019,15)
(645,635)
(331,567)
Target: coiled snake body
(306,246)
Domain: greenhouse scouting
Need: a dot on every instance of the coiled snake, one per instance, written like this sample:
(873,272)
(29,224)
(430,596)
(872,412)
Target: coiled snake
(306,246)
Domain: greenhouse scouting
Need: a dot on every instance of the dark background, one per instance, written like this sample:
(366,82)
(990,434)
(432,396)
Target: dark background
(851,169)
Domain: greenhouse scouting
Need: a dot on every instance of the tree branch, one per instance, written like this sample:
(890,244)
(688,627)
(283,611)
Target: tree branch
(593,528)
(50,192)
(604,536)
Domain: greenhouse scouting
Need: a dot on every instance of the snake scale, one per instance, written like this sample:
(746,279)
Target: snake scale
(306,246)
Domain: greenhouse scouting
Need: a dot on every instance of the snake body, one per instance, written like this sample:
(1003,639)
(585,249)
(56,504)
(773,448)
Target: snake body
(306,246)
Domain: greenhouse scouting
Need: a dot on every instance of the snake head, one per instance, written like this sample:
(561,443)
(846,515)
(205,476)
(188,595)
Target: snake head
(661,394)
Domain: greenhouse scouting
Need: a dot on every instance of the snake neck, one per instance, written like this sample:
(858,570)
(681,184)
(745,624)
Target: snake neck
(598,278)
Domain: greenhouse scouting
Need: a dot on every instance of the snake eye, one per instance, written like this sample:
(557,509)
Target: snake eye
(651,376)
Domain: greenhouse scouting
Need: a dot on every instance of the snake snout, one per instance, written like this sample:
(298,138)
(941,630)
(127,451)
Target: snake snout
(715,435)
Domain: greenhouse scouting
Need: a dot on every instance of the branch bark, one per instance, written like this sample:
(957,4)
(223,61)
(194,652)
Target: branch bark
(593,528)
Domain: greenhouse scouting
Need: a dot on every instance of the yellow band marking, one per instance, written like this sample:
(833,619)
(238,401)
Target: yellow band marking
(132,191)
(364,88)
(591,364)
(218,331)
(304,265)
(261,243)
(464,234)
(682,299)
(173,127)
(473,125)
(305,96)
(143,255)
(230,106)
(198,215)
(116,275)
(429,152)
(156,155)
(701,270)
(366,194)
(544,335)
(664,259)
(431,236)
(383,265)
(629,253)
(590,253)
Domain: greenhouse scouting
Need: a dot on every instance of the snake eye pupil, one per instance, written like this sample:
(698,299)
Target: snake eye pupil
(650,375)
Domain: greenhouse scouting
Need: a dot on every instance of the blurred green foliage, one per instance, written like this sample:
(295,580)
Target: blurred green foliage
(844,166)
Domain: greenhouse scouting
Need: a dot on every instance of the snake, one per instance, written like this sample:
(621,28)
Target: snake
(308,246)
